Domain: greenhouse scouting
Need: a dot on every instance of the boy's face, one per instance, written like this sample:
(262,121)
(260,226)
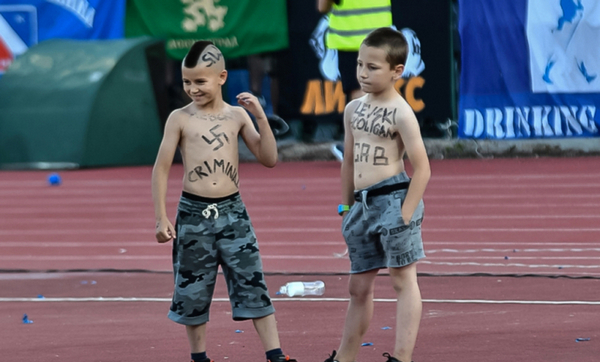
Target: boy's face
(373,70)
(203,82)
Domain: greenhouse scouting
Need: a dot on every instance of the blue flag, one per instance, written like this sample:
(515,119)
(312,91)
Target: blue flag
(530,69)
(24,23)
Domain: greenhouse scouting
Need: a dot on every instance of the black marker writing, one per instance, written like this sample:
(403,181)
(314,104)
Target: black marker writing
(216,137)
(211,58)
(228,169)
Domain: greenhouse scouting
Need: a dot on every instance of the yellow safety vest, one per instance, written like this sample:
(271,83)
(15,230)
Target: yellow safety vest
(352,20)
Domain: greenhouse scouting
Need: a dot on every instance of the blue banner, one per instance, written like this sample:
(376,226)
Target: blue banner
(24,23)
(530,69)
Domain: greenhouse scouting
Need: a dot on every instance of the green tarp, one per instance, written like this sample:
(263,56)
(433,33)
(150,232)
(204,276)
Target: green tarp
(68,103)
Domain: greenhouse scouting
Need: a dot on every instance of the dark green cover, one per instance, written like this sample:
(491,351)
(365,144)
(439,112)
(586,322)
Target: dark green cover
(70,103)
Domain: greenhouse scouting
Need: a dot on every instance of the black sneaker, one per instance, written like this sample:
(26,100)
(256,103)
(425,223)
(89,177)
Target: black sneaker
(281,358)
(331,357)
(390,358)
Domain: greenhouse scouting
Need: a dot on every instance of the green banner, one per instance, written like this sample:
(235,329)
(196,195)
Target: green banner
(237,27)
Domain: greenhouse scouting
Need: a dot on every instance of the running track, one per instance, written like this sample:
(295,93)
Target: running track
(487,222)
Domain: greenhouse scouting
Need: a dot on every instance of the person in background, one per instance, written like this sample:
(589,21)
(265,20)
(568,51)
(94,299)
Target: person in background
(350,21)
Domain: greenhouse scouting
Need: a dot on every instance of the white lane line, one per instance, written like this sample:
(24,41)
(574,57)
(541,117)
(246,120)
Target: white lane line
(167,256)
(254,209)
(430,260)
(511,256)
(122,257)
(281,180)
(42,219)
(552,266)
(518,245)
(378,300)
(512,230)
(66,199)
(150,231)
(145,244)
(517,177)
(553,250)
(104,186)
(507,242)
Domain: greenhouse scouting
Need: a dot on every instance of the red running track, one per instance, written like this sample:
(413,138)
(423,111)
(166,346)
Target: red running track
(490,217)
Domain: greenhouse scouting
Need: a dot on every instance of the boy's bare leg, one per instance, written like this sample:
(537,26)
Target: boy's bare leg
(358,317)
(197,337)
(266,327)
(408,310)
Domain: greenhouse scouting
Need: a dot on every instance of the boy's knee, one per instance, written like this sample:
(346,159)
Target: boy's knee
(403,278)
(360,292)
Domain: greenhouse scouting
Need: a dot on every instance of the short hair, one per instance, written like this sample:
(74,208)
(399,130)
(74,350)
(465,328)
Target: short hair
(193,56)
(390,40)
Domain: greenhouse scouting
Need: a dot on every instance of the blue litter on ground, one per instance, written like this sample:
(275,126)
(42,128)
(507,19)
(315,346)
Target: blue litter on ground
(40,296)
(560,267)
(239,331)
(54,179)
(26,319)
(506,258)
(582,339)
(367,344)
(385,328)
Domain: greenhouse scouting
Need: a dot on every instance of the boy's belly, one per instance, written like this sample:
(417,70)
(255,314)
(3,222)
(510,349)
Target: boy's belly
(212,180)
(367,175)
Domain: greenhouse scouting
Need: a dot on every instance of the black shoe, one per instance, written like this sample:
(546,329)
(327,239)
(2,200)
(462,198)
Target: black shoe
(390,358)
(331,357)
(281,358)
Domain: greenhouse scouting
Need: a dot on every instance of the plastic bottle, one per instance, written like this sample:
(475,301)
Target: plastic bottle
(294,289)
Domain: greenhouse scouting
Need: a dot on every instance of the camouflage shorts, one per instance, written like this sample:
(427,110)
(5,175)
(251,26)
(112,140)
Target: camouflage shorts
(213,232)
(376,234)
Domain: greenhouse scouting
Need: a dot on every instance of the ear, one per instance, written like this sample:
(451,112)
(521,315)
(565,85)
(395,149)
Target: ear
(222,77)
(398,70)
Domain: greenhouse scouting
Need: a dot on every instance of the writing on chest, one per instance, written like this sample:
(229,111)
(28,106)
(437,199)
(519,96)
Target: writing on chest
(378,121)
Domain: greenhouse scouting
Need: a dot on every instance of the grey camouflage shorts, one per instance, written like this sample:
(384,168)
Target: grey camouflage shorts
(213,232)
(376,234)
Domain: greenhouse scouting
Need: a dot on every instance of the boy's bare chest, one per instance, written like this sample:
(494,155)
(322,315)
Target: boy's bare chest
(376,123)
(210,135)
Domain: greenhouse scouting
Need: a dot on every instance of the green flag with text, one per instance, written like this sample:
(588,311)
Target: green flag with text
(237,27)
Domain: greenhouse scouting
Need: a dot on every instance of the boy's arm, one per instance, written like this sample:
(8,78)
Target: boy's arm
(263,146)
(348,161)
(417,155)
(160,175)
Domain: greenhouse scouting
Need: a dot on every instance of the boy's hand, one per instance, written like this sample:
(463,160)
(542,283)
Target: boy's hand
(406,218)
(251,104)
(164,231)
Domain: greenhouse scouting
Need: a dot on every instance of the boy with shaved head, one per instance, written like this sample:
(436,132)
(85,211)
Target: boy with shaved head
(212,226)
